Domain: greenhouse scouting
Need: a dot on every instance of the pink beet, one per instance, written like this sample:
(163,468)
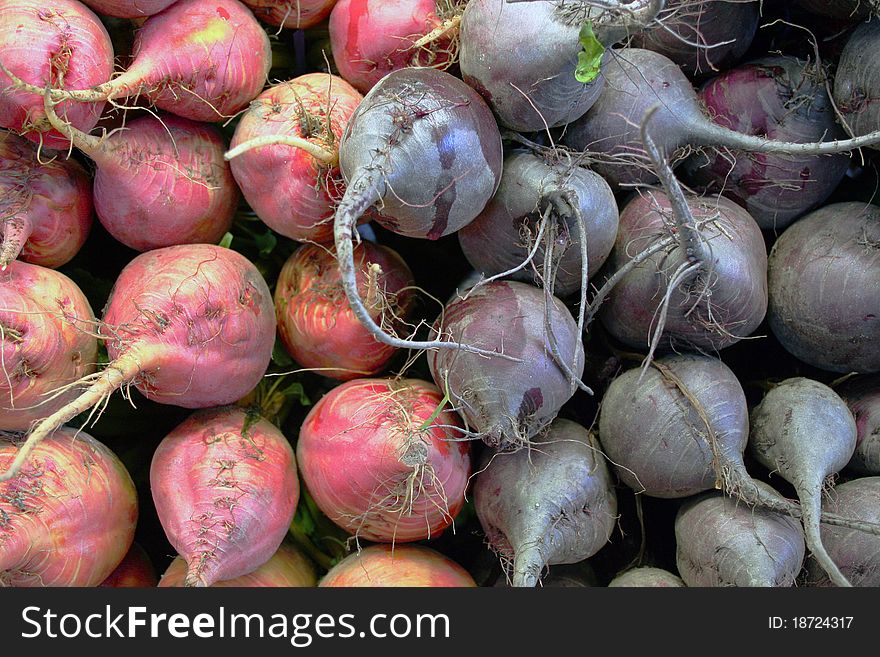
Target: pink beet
(397,565)
(371,38)
(380,463)
(134,571)
(315,322)
(284,154)
(160,182)
(47,342)
(204,60)
(293,14)
(128,8)
(45,205)
(225,488)
(178,335)
(288,567)
(60,43)
(68,518)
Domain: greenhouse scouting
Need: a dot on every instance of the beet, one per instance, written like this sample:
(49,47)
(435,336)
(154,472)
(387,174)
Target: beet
(424,147)
(510,222)
(161,182)
(552,502)
(178,336)
(804,431)
(63,44)
(824,298)
(225,487)
(723,303)
(638,80)
(701,36)
(862,395)
(507,402)
(855,552)
(779,98)
(45,206)
(721,542)
(47,343)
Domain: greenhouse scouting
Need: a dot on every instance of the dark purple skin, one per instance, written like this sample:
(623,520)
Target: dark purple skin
(738,281)
(528,183)
(550,503)
(532,47)
(804,431)
(781,98)
(823,284)
(857,81)
(657,439)
(503,401)
(426,148)
(862,395)
(724,30)
(722,542)
(637,80)
(856,552)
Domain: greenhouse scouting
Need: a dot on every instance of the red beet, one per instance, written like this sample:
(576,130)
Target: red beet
(284,154)
(379,463)
(316,324)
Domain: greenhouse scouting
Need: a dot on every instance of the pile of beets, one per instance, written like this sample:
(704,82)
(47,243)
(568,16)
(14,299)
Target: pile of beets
(439,293)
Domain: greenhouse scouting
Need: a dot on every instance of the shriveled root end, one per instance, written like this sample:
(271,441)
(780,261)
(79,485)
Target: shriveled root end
(196,571)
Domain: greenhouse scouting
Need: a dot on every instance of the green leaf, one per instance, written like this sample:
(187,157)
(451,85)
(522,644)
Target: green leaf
(266,242)
(226,241)
(590,58)
(297,390)
(280,356)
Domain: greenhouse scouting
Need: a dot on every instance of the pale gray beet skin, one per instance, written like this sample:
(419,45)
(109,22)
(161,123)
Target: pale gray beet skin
(856,553)
(722,542)
(857,79)
(823,274)
(862,395)
(702,36)
(637,80)
(803,430)
(657,428)
(646,576)
(506,402)
(781,98)
(425,149)
(550,503)
(522,58)
(734,274)
(503,234)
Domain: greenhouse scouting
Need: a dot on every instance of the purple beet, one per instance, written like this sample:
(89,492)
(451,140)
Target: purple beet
(503,401)
(702,36)
(824,297)
(511,222)
(862,395)
(552,502)
(779,98)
